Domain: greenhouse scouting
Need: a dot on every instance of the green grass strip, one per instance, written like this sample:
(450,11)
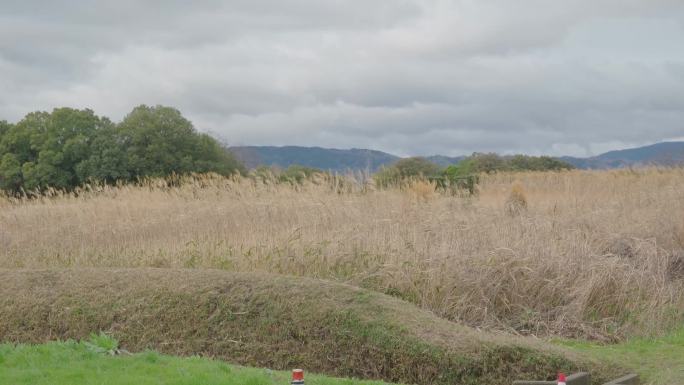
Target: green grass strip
(80,363)
(659,361)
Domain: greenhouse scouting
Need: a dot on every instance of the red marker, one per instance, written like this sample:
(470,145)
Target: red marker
(297,377)
(561,379)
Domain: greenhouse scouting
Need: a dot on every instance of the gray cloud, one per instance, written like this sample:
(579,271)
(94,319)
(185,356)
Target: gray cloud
(575,77)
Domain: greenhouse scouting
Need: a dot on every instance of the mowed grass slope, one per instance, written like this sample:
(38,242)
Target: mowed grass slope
(659,361)
(69,363)
(270,321)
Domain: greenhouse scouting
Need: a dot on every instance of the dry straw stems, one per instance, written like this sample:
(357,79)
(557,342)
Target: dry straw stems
(589,253)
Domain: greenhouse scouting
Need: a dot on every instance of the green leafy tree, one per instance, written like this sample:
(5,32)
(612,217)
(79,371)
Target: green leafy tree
(489,163)
(48,147)
(4,127)
(11,178)
(107,161)
(486,163)
(465,174)
(10,165)
(160,141)
(297,174)
(541,163)
(416,167)
(69,147)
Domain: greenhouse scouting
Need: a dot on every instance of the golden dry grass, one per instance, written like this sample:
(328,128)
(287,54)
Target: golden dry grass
(594,253)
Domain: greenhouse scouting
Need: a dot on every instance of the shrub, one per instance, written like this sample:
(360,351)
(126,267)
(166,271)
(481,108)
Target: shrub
(490,163)
(516,201)
(297,174)
(102,343)
(405,169)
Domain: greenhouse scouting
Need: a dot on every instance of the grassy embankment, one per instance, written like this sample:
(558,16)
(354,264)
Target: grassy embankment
(64,363)
(69,363)
(659,361)
(271,321)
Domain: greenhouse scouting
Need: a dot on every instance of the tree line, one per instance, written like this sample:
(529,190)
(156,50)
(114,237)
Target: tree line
(464,173)
(68,147)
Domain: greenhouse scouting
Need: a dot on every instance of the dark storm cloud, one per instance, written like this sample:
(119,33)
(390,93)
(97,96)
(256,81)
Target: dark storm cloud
(406,76)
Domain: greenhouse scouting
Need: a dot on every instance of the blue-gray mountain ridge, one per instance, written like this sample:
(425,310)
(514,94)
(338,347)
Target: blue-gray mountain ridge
(355,159)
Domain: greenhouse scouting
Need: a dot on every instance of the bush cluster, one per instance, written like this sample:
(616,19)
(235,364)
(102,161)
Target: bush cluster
(479,163)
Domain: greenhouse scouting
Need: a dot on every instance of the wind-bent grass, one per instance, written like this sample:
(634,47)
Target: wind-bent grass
(659,361)
(597,254)
(69,363)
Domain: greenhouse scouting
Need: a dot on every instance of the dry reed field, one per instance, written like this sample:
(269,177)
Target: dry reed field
(596,254)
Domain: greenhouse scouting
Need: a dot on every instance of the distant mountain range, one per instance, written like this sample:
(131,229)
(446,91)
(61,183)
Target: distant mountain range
(663,154)
(444,160)
(317,157)
(660,154)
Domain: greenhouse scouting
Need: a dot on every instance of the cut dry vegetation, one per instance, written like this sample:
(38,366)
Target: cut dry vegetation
(270,321)
(594,254)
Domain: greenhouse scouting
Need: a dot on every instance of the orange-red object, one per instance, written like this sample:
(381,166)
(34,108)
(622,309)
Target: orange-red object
(561,379)
(297,377)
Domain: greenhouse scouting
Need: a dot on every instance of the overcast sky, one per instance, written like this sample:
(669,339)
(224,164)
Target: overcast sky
(411,77)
